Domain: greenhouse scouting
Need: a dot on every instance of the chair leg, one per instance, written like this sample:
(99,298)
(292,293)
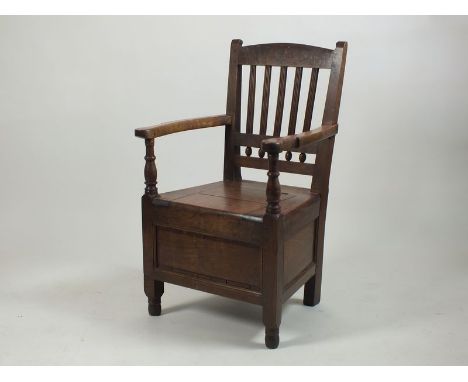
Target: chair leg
(273,256)
(271,338)
(311,298)
(154,307)
(272,320)
(154,297)
(313,287)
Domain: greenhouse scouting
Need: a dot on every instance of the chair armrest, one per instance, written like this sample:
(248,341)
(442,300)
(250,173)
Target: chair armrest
(277,145)
(182,125)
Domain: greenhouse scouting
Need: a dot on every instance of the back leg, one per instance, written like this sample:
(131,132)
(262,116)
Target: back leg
(313,287)
(311,297)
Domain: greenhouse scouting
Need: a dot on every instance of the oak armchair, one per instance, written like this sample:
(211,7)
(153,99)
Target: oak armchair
(252,241)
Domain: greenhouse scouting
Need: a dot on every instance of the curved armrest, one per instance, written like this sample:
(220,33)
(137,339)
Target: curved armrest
(182,125)
(276,145)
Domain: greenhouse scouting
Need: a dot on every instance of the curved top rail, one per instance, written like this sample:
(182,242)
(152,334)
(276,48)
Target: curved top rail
(281,54)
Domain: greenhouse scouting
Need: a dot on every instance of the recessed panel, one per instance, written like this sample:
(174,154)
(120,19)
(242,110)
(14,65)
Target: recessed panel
(220,259)
(298,253)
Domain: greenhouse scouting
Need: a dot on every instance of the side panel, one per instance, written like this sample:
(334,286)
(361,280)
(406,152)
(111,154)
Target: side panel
(298,253)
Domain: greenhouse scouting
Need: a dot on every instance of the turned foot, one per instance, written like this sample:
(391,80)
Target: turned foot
(311,297)
(309,301)
(271,338)
(154,289)
(154,309)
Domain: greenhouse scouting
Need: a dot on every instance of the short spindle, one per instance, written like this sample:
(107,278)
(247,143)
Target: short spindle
(150,170)
(273,191)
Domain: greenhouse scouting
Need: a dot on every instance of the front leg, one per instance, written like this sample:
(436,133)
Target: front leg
(272,279)
(154,289)
(272,257)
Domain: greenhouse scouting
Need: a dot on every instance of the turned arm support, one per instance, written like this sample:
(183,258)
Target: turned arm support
(182,125)
(273,146)
(152,132)
(277,145)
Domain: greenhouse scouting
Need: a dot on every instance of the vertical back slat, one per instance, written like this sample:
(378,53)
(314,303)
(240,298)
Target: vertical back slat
(283,57)
(295,101)
(280,102)
(265,100)
(251,100)
(311,99)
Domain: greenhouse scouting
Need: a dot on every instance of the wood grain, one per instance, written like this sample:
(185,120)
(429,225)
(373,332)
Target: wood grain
(310,99)
(286,55)
(298,141)
(280,101)
(183,251)
(257,242)
(182,125)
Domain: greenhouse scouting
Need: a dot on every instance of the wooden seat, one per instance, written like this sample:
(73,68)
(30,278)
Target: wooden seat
(252,241)
(245,198)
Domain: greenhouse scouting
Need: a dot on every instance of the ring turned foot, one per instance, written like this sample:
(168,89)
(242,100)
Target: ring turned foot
(154,309)
(272,338)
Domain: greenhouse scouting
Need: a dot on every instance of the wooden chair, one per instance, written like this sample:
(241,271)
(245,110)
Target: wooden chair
(251,241)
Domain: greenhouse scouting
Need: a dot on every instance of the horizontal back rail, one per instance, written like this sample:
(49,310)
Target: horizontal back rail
(255,140)
(283,166)
(292,55)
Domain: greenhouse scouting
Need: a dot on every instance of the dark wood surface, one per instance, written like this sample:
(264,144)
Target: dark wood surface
(295,55)
(182,125)
(243,197)
(257,242)
(193,253)
(298,141)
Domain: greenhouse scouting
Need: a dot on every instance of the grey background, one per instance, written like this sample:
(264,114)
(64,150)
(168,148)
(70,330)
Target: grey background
(395,285)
